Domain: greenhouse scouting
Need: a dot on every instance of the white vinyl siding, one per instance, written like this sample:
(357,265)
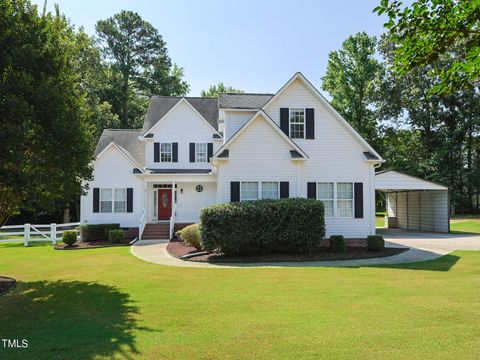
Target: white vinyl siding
(344,199)
(270,190)
(166,152)
(200,152)
(297,123)
(326,194)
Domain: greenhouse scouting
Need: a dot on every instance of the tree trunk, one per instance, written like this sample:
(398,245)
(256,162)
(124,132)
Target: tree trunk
(9,202)
(125,101)
(66,215)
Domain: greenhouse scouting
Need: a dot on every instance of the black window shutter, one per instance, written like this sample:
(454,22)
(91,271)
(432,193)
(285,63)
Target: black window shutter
(174,152)
(192,152)
(358,194)
(129,199)
(210,151)
(96,200)
(284,120)
(156,152)
(310,124)
(312,190)
(284,189)
(234,191)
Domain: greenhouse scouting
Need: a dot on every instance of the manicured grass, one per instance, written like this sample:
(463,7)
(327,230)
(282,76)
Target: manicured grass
(379,221)
(467,225)
(105,303)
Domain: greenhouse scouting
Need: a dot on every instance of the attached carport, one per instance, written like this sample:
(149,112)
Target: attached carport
(413,203)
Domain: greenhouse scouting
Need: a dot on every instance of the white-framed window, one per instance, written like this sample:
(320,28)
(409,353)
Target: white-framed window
(113,200)
(166,152)
(326,194)
(120,200)
(248,190)
(270,190)
(344,199)
(200,152)
(106,197)
(297,123)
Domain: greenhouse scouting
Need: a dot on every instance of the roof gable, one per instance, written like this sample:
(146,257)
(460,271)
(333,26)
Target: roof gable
(126,141)
(299,76)
(268,120)
(161,105)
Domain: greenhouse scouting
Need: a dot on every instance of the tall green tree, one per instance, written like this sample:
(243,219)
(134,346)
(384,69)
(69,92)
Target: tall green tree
(214,90)
(351,80)
(138,54)
(427,29)
(45,140)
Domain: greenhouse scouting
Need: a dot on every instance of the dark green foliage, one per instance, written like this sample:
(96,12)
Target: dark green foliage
(191,234)
(264,226)
(96,232)
(375,243)
(116,235)
(214,90)
(69,237)
(337,244)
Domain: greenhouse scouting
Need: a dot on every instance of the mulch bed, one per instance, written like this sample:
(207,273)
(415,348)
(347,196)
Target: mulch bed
(178,248)
(6,284)
(90,245)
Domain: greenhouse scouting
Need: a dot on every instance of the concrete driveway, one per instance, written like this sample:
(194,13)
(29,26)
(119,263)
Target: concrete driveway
(423,246)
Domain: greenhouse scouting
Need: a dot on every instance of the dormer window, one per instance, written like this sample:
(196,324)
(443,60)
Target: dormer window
(297,123)
(166,152)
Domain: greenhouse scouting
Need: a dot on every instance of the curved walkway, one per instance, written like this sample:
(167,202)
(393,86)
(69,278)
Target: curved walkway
(423,247)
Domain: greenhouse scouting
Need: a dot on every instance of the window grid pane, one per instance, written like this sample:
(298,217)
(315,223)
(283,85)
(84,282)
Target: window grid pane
(326,195)
(166,152)
(105,200)
(345,200)
(270,190)
(200,152)
(297,123)
(120,204)
(248,191)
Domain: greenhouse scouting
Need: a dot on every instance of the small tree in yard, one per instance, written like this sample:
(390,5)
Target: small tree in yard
(45,142)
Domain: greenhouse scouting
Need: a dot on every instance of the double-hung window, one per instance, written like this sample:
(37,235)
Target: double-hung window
(200,152)
(297,123)
(344,199)
(270,190)
(113,200)
(327,195)
(248,190)
(166,152)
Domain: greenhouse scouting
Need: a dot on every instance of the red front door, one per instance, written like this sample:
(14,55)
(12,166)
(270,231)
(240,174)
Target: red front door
(164,204)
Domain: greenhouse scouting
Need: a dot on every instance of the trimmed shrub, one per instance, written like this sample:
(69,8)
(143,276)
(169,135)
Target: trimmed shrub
(116,235)
(293,226)
(191,235)
(375,243)
(337,244)
(96,232)
(69,237)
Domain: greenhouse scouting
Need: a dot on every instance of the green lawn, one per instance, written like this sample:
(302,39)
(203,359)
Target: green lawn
(467,225)
(105,303)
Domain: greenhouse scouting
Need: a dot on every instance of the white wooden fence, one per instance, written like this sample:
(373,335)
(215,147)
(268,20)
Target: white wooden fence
(35,232)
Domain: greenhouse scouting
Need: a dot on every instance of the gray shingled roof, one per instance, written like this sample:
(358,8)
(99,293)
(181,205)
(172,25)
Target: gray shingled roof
(126,139)
(160,105)
(242,101)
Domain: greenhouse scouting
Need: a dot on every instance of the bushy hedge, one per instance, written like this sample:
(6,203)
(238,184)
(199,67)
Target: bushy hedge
(96,232)
(375,243)
(69,237)
(337,244)
(191,235)
(293,225)
(116,235)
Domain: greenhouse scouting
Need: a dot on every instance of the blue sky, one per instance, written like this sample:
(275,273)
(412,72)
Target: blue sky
(252,45)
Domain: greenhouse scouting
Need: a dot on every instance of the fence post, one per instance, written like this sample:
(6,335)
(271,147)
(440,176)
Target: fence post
(53,233)
(26,234)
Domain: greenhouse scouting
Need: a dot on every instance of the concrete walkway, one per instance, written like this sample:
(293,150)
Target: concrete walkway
(423,247)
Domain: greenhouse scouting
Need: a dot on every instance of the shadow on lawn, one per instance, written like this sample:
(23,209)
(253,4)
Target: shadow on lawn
(444,263)
(71,320)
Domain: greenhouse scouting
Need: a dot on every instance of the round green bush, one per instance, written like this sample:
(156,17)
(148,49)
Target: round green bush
(191,235)
(375,243)
(69,237)
(116,235)
(337,244)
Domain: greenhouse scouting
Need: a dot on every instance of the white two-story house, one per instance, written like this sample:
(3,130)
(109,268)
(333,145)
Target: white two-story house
(194,152)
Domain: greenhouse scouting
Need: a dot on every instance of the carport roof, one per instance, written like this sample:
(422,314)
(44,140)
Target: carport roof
(393,180)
